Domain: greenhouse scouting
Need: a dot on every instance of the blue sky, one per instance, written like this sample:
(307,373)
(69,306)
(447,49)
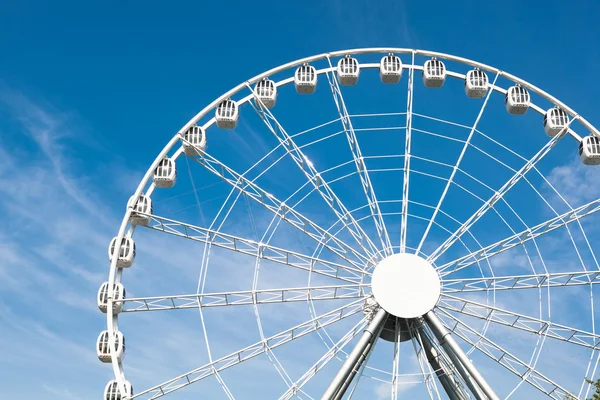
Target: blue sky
(90,94)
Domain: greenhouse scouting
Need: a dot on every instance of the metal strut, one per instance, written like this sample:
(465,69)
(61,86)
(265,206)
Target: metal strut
(357,356)
(463,365)
(435,361)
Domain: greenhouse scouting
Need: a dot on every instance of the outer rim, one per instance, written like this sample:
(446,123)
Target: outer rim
(115,273)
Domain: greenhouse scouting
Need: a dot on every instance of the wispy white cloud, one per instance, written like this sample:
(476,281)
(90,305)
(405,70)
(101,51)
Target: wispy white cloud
(55,234)
(51,130)
(54,259)
(62,393)
(576,182)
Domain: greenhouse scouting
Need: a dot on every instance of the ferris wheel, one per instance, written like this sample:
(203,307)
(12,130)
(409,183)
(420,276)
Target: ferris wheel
(367,223)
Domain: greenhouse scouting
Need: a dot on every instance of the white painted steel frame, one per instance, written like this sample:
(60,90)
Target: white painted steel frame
(495,197)
(407,155)
(459,358)
(248,297)
(322,362)
(519,321)
(456,166)
(359,161)
(252,351)
(315,179)
(520,238)
(520,368)
(254,248)
(534,281)
(127,230)
(281,209)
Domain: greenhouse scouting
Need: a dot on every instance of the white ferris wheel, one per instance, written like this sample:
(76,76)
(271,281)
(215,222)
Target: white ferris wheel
(399,235)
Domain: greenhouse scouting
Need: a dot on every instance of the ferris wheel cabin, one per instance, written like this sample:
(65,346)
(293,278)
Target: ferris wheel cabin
(194,141)
(305,79)
(476,84)
(118,293)
(227,114)
(390,69)
(126,254)
(266,93)
(103,346)
(434,73)
(141,205)
(348,71)
(111,392)
(165,173)
(555,121)
(589,150)
(517,100)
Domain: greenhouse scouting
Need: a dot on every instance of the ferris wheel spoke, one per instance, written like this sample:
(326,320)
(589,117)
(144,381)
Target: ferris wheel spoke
(253,350)
(256,249)
(519,321)
(524,371)
(554,279)
(285,212)
(316,180)
(359,161)
(324,360)
(248,297)
(407,155)
(456,166)
(497,196)
(520,238)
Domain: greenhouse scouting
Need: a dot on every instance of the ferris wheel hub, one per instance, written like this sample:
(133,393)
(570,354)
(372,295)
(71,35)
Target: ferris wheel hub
(406,285)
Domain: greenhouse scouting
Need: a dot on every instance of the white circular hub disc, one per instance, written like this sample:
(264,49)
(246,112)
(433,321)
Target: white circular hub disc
(406,285)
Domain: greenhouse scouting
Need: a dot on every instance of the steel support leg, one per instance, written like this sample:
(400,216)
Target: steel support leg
(462,363)
(342,380)
(433,359)
(350,378)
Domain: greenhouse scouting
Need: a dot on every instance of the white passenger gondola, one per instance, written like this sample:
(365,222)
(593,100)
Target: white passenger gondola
(227,114)
(103,346)
(434,73)
(517,100)
(390,69)
(194,141)
(143,205)
(589,150)
(555,121)
(305,79)
(348,71)
(266,91)
(476,84)
(126,254)
(112,392)
(165,173)
(118,293)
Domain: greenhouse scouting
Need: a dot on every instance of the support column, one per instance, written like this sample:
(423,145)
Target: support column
(462,363)
(342,380)
(350,378)
(432,357)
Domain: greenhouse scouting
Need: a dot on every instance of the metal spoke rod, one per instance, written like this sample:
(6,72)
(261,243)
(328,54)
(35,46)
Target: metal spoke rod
(357,356)
(458,357)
